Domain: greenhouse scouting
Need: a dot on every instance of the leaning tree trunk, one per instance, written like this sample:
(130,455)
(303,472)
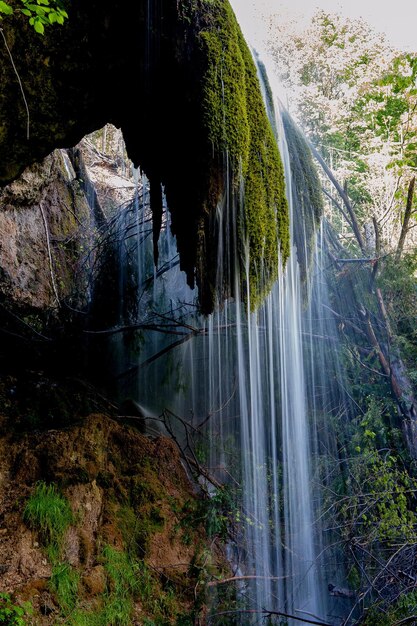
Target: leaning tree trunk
(406,221)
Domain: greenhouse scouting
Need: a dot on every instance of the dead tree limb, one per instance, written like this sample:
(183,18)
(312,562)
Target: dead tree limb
(407,620)
(266,613)
(377,251)
(298,619)
(400,384)
(223,581)
(352,216)
(338,206)
(156,356)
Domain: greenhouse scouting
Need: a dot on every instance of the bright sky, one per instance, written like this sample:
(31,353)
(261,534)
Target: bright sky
(396,18)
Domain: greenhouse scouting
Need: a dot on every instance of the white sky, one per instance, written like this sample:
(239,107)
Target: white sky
(396,18)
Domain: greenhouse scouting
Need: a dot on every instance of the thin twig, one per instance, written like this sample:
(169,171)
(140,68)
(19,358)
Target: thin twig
(51,267)
(20,83)
(406,620)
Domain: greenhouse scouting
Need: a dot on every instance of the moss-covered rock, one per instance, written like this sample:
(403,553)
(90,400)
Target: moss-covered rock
(119,543)
(198,129)
(306,189)
(242,140)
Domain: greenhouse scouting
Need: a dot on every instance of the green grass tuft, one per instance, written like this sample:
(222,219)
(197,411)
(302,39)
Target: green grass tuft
(64,584)
(49,513)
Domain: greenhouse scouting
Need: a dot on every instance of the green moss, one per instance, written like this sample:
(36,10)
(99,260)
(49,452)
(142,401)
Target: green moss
(307,196)
(138,527)
(225,102)
(242,139)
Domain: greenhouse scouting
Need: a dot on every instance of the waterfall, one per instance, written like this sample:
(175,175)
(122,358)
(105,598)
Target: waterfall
(253,388)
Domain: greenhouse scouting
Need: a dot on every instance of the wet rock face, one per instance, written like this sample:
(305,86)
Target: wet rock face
(52,219)
(44,225)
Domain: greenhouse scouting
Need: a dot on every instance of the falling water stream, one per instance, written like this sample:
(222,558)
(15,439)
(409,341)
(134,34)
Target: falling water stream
(255,384)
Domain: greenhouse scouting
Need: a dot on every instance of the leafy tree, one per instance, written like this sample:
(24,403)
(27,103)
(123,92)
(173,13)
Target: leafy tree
(41,13)
(356,98)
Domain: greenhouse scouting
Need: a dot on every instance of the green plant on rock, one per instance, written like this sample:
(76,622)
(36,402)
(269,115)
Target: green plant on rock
(117,601)
(138,527)
(41,13)
(12,614)
(401,611)
(129,580)
(215,514)
(381,491)
(49,513)
(397,281)
(64,584)
(121,572)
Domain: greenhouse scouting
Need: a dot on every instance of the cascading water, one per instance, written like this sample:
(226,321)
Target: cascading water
(250,383)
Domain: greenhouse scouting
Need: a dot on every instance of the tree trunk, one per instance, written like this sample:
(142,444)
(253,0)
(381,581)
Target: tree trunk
(343,195)
(407,215)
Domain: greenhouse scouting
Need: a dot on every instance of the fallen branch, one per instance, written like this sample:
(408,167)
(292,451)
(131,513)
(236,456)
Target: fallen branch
(215,583)
(343,195)
(267,613)
(299,619)
(406,620)
(345,321)
(338,206)
(156,356)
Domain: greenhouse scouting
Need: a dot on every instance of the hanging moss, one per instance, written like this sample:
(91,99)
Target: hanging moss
(225,104)
(307,196)
(242,139)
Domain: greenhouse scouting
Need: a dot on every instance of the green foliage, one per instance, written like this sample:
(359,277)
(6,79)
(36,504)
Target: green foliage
(121,572)
(49,513)
(397,280)
(380,500)
(386,105)
(215,513)
(128,580)
(41,13)
(117,602)
(12,614)
(402,609)
(64,583)
(355,97)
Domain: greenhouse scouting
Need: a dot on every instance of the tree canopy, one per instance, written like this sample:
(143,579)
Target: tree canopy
(356,98)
